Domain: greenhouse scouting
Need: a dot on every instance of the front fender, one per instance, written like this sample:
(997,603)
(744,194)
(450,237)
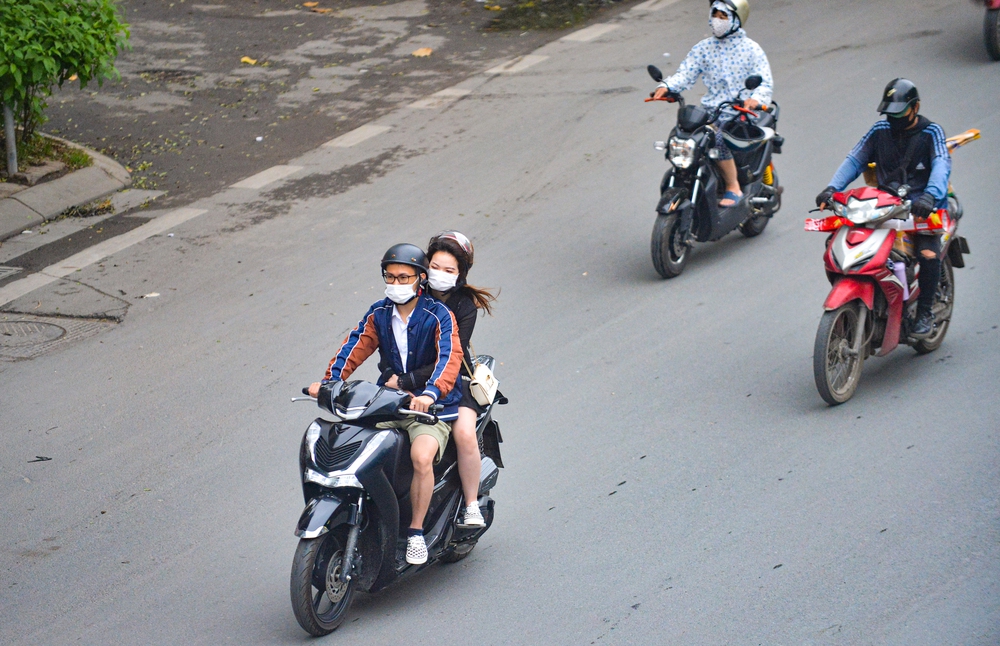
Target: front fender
(848,289)
(322,513)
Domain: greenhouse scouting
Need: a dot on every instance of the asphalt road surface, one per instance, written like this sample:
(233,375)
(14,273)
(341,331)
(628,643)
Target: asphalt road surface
(744,511)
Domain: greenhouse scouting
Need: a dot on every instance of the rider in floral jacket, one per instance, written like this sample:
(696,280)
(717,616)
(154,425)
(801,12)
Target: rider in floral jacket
(724,61)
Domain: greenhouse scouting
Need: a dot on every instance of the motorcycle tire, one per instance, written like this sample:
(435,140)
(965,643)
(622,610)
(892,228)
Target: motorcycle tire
(943,306)
(457,553)
(319,600)
(669,252)
(991,33)
(837,373)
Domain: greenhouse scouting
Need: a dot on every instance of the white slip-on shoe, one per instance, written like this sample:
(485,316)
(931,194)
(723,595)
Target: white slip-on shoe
(473,517)
(416,550)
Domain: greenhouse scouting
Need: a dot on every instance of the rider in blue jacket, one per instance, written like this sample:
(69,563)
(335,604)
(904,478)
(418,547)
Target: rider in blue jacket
(906,148)
(409,329)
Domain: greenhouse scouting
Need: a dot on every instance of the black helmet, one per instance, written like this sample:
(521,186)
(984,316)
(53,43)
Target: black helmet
(405,253)
(898,96)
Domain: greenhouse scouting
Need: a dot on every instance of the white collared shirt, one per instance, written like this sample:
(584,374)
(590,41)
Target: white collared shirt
(399,333)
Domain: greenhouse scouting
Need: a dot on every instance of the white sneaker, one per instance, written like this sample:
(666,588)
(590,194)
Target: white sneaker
(416,550)
(473,517)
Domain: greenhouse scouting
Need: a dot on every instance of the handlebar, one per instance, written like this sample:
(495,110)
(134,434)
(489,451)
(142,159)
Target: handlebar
(740,108)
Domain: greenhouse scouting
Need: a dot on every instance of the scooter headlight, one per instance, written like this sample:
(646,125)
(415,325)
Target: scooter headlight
(681,152)
(864,211)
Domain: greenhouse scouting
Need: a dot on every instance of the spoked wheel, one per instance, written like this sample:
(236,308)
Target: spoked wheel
(835,366)
(755,225)
(991,33)
(319,599)
(670,254)
(944,304)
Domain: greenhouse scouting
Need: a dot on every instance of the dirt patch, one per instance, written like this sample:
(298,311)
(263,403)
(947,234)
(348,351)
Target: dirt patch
(546,14)
(279,201)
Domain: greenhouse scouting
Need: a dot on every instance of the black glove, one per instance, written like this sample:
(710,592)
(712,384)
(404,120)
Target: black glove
(923,206)
(825,196)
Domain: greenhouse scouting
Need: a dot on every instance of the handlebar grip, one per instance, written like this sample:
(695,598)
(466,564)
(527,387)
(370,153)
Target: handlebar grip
(305,391)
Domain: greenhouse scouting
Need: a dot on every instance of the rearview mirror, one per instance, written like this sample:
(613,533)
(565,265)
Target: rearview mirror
(753,82)
(657,75)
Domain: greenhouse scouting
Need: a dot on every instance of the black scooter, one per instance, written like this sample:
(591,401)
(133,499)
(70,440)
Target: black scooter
(356,482)
(690,191)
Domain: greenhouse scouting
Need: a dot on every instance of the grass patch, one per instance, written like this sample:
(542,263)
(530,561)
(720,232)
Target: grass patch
(545,14)
(41,149)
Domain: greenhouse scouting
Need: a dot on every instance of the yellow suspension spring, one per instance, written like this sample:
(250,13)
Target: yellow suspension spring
(769,175)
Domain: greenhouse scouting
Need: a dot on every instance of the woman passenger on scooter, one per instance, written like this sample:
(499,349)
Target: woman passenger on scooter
(451,255)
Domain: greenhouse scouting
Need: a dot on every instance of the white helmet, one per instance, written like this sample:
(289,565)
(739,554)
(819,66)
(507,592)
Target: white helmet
(739,8)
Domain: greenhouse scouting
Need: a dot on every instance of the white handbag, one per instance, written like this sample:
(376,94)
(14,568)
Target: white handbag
(484,384)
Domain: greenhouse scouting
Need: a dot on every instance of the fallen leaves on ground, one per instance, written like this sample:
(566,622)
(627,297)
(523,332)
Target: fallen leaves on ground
(423,51)
(493,7)
(310,5)
(320,10)
(248,60)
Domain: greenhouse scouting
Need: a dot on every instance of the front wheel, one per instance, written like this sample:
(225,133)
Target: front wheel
(319,599)
(944,303)
(670,253)
(991,33)
(836,367)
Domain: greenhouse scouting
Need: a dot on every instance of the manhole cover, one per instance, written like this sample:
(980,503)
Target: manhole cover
(15,334)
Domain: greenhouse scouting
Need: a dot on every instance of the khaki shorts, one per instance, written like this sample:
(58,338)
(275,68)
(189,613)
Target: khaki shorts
(413,428)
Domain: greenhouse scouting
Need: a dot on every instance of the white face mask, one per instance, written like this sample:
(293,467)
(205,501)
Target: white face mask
(400,294)
(441,281)
(720,26)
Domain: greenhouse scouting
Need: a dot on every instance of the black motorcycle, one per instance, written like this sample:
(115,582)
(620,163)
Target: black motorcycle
(356,481)
(690,191)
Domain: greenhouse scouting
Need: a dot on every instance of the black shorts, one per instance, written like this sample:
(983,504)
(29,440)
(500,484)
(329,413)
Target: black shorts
(468,401)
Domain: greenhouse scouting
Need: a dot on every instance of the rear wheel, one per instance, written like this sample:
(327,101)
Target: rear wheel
(755,225)
(670,254)
(320,601)
(836,368)
(457,553)
(943,306)
(991,33)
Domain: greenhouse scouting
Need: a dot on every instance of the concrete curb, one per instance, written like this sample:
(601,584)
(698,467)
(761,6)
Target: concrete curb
(32,206)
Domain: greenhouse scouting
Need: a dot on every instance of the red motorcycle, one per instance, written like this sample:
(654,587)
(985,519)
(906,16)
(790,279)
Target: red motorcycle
(871,263)
(991,28)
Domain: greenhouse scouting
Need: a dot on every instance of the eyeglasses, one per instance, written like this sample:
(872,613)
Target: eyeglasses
(398,279)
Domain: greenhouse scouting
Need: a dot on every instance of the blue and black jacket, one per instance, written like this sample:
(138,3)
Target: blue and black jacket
(929,164)
(432,338)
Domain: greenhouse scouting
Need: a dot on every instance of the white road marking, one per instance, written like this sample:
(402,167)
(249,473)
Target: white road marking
(588,34)
(94,254)
(441,98)
(519,64)
(356,136)
(265,177)
(653,5)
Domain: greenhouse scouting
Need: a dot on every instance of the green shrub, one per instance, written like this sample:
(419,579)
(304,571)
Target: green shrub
(44,43)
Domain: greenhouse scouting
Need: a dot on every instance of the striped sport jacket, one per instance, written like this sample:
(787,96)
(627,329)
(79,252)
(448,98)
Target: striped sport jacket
(432,337)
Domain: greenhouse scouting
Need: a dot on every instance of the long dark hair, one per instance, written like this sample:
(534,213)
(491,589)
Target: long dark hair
(482,297)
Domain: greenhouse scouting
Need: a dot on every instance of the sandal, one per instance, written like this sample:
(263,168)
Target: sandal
(733,198)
